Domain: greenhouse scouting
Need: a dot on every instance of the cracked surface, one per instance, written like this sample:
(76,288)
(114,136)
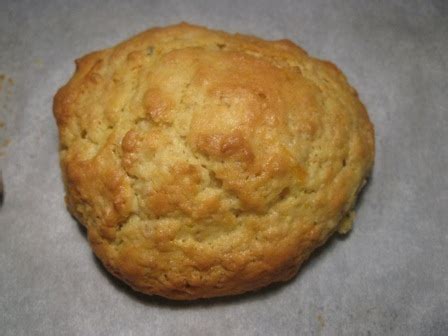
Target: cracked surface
(205,164)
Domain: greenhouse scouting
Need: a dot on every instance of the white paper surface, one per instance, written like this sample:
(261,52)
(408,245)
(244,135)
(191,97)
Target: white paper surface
(389,276)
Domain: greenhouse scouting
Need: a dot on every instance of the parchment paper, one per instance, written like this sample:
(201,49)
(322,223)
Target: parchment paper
(389,276)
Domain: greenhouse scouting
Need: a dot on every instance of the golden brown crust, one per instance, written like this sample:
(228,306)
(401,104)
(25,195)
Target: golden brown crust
(205,164)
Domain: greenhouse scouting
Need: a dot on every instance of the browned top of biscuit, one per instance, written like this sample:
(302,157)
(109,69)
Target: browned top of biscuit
(204,163)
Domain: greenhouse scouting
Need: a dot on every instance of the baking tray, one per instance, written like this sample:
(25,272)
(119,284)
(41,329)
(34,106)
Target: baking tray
(389,276)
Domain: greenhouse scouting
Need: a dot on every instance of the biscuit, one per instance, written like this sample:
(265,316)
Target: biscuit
(206,164)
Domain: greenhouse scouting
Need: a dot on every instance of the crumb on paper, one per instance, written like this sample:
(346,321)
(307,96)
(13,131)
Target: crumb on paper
(39,63)
(4,142)
(5,79)
(321,320)
(3,146)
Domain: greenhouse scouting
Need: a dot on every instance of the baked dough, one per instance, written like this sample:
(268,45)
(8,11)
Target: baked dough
(206,164)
